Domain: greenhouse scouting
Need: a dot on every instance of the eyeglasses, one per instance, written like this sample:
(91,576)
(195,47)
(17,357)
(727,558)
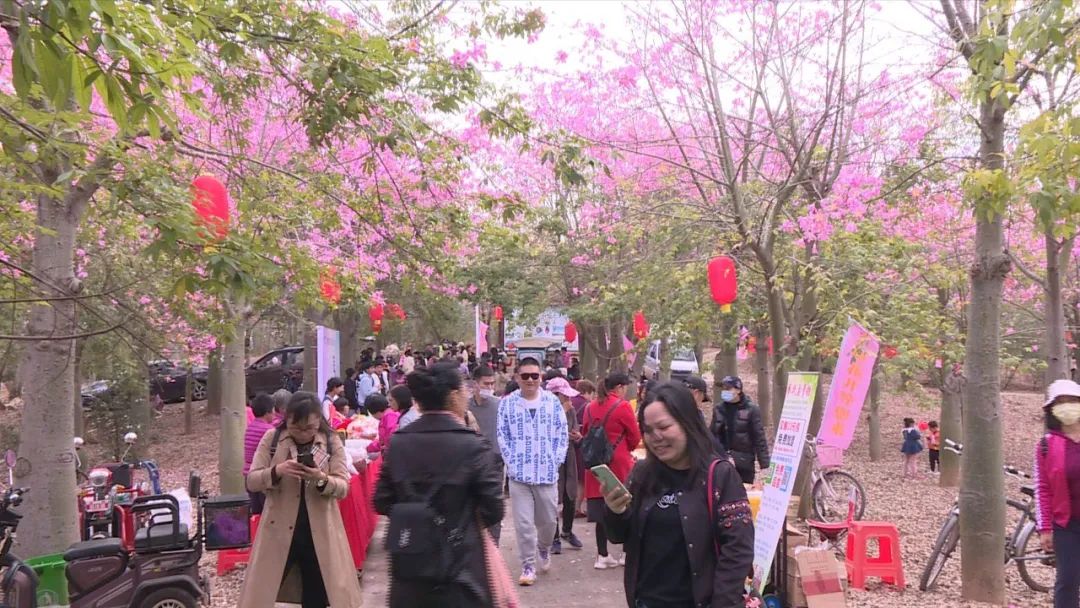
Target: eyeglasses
(531,376)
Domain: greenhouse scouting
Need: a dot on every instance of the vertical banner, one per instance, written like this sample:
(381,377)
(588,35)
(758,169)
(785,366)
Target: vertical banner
(854,369)
(780,478)
(328,364)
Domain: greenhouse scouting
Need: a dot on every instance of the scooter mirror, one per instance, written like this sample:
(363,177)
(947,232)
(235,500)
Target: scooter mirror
(130,438)
(79,442)
(10,459)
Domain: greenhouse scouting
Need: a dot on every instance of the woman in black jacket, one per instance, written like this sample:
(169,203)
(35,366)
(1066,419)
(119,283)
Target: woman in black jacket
(438,455)
(677,553)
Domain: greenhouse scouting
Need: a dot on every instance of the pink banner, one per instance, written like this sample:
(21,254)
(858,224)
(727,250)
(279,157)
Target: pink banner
(850,383)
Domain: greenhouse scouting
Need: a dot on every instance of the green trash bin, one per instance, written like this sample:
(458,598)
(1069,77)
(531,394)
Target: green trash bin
(52,589)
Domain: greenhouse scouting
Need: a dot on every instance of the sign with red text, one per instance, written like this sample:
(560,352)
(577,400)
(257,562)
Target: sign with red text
(854,369)
(779,480)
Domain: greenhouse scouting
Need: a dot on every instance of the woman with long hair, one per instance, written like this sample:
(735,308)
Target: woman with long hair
(439,458)
(617,417)
(672,557)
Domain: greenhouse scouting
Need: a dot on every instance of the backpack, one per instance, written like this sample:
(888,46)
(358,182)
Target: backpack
(595,448)
(423,547)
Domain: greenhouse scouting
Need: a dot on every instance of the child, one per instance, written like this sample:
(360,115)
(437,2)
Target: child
(339,414)
(911,447)
(933,446)
(379,407)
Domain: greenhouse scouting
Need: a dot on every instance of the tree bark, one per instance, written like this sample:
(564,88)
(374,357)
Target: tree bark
(586,337)
(311,353)
(952,426)
(77,411)
(875,416)
(665,359)
(982,489)
(350,347)
(802,479)
(761,364)
(729,346)
(779,367)
(1057,354)
(233,415)
(215,380)
(48,366)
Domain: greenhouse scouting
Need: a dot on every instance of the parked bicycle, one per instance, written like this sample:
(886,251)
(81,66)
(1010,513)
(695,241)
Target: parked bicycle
(1022,546)
(832,488)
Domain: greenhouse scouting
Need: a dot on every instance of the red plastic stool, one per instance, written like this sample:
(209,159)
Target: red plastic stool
(231,558)
(887,565)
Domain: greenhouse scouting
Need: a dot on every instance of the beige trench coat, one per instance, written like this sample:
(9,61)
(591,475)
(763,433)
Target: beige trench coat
(274,537)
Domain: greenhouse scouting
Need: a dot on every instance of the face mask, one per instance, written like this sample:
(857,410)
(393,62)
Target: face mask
(1067,413)
(727,395)
(487,392)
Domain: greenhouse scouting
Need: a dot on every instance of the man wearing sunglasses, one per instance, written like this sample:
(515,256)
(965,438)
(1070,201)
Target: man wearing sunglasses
(533,438)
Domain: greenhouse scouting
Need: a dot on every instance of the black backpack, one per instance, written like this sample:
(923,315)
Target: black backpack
(423,547)
(595,448)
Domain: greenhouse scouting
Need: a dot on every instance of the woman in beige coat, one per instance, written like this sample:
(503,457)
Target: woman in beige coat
(301,554)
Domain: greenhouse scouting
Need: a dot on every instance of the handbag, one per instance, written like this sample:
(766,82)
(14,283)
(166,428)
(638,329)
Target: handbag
(751,599)
(503,592)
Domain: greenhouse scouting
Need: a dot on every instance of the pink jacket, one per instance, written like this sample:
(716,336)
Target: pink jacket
(1052,504)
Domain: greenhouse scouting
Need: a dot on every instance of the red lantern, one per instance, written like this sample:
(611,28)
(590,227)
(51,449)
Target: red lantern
(641,327)
(923,426)
(329,287)
(211,202)
(375,315)
(889,352)
(497,313)
(723,281)
(570,332)
(397,312)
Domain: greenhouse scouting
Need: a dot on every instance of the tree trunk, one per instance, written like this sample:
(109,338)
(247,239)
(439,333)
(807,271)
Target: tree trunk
(233,415)
(1057,354)
(665,359)
(779,367)
(875,417)
(952,427)
(77,411)
(729,346)
(802,479)
(189,407)
(586,336)
(140,410)
(761,366)
(48,367)
(982,487)
(215,381)
(350,346)
(311,353)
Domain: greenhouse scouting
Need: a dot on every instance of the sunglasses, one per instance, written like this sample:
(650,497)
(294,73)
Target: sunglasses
(530,376)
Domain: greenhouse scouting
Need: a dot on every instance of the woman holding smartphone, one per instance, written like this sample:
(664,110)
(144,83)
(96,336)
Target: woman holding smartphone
(301,554)
(672,558)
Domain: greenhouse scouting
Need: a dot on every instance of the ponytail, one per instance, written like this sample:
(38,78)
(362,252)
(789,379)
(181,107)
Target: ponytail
(609,384)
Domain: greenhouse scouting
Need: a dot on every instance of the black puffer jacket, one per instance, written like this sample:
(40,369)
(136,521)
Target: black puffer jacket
(748,440)
(438,448)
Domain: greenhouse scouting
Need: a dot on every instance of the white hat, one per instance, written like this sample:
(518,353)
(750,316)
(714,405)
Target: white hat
(1060,388)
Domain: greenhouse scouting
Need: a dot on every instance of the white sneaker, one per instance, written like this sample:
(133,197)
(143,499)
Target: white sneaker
(545,560)
(604,562)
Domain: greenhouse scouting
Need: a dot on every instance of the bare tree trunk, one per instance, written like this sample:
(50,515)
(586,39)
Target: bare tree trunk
(233,415)
(350,347)
(761,365)
(779,367)
(729,345)
(140,410)
(665,359)
(586,336)
(875,416)
(982,488)
(189,407)
(311,352)
(215,380)
(802,479)
(952,426)
(77,410)
(1057,354)
(48,367)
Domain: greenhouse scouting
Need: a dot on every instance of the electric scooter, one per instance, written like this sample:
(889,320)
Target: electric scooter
(105,500)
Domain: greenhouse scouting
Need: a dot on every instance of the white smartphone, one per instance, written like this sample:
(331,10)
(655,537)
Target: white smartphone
(606,477)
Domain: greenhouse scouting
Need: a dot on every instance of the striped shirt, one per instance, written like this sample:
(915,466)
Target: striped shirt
(254,434)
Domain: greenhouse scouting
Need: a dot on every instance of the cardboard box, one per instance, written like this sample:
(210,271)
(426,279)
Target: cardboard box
(816,579)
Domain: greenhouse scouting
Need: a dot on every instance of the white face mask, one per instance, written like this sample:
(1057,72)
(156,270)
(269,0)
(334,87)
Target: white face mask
(486,392)
(1067,413)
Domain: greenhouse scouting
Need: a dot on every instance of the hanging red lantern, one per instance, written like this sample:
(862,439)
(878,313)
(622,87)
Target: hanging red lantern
(889,352)
(211,202)
(497,313)
(641,327)
(329,287)
(397,312)
(723,281)
(570,332)
(375,315)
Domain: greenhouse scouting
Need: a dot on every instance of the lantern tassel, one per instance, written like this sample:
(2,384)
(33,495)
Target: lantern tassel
(725,308)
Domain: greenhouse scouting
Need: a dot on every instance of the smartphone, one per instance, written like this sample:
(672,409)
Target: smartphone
(607,478)
(307,459)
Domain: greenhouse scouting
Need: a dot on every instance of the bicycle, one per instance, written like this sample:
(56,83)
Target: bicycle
(831,489)
(1024,535)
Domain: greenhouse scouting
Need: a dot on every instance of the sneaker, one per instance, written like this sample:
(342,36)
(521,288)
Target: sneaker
(622,559)
(604,562)
(573,540)
(556,547)
(528,576)
(545,560)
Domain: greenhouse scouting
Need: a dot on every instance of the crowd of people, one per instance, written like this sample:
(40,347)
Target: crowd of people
(462,435)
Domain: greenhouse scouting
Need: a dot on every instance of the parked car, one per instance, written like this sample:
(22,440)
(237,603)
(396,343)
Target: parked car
(167,381)
(279,368)
(684,362)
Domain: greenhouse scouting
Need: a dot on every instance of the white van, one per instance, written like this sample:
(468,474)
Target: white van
(683,362)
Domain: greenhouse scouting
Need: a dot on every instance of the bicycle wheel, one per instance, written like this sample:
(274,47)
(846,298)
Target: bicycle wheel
(947,539)
(1037,568)
(831,496)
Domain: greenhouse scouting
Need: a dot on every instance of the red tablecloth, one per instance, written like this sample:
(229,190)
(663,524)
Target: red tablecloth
(358,512)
